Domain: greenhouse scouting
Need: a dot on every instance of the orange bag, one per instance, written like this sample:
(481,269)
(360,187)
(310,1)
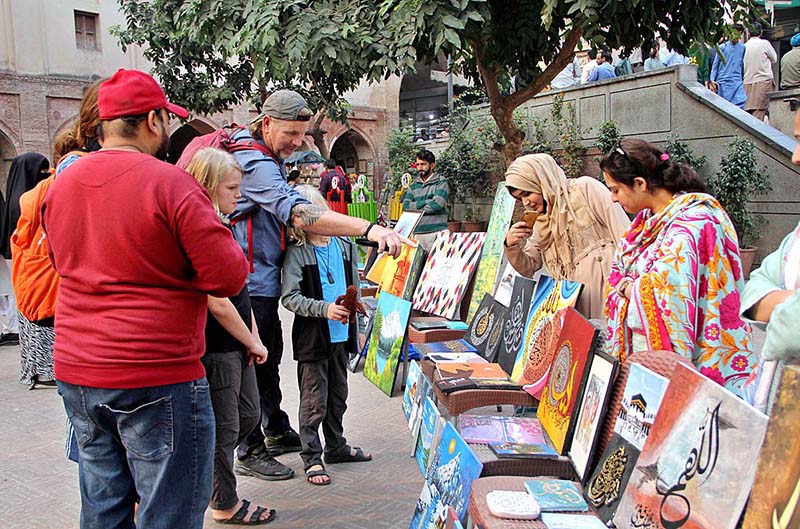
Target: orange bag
(33,276)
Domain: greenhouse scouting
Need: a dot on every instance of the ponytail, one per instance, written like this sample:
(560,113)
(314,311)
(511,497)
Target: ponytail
(638,158)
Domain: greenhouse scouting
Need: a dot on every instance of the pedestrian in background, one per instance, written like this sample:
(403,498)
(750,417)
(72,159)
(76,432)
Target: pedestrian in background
(759,56)
(727,71)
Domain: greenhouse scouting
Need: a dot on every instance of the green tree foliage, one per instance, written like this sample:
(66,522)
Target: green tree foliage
(402,153)
(210,55)
(680,151)
(533,40)
(609,137)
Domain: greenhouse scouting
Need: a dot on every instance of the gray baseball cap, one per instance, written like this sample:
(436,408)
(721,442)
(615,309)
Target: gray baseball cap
(287,105)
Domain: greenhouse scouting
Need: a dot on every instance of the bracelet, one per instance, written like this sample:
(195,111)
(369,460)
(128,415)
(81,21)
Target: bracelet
(366,232)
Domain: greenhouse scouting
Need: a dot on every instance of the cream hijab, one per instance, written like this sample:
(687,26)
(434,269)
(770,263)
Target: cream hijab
(539,173)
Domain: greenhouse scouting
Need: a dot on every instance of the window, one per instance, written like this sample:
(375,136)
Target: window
(86,31)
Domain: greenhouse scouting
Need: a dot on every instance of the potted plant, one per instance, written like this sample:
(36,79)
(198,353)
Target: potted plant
(738,181)
(470,222)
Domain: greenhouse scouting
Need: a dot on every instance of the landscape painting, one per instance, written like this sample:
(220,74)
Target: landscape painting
(492,252)
(699,461)
(386,341)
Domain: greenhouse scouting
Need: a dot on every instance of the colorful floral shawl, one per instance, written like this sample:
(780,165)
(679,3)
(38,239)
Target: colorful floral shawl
(686,271)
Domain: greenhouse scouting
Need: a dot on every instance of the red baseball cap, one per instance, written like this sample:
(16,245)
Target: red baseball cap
(132,92)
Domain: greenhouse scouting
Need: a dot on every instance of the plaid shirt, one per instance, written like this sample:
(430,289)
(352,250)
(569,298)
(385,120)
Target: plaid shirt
(430,197)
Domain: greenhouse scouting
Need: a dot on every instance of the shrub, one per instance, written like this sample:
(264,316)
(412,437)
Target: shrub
(738,181)
(608,138)
(679,151)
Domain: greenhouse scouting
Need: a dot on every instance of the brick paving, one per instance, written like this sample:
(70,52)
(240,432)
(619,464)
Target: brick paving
(39,487)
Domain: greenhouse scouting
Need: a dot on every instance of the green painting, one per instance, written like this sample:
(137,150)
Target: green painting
(492,252)
(386,341)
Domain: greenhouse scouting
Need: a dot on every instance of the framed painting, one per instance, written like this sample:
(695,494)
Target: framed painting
(776,491)
(597,390)
(505,283)
(641,398)
(413,274)
(411,389)
(386,341)
(407,223)
(486,328)
(533,363)
(447,273)
(362,166)
(492,252)
(515,324)
(699,461)
(395,273)
(561,394)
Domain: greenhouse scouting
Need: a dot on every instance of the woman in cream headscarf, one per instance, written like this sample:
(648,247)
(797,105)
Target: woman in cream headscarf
(575,234)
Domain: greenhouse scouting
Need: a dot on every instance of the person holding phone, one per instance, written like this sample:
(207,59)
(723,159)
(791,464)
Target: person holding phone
(575,233)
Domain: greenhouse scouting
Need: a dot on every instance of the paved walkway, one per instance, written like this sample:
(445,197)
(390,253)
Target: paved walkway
(39,487)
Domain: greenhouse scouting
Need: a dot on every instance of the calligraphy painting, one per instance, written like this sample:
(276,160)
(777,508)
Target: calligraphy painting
(562,391)
(515,324)
(699,461)
(533,363)
(386,341)
(775,500)
(492,252)
(641,398)
(486,328)
(447,273)
(598,385)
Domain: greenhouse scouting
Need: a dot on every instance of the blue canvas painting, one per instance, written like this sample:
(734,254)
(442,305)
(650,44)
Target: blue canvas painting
(453,469)
(411,391)
(386,341)
(430,415)
(556,495)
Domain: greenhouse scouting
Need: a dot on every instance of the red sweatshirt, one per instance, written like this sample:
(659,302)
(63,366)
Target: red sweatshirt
(138,246)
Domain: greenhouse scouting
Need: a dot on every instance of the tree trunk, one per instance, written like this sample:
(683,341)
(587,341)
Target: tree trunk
(319,140)
(503,115)
(318,133)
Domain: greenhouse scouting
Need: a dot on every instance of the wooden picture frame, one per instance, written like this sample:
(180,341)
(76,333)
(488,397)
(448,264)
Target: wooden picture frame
(595,394)
(350,162)
(362,166)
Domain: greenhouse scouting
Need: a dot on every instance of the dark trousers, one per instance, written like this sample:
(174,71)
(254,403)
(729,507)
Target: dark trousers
(234,397)
(274,420)
(323,400)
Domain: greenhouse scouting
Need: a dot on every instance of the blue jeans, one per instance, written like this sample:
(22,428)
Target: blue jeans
(155,444)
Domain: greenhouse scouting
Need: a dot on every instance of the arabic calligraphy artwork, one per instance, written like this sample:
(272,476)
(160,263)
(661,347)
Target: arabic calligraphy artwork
(641,398)
(492,252)
(775,500)
(386,341)
(562,392)
(486,328)
(698,462)
(597,390)
(447,273)
(515,324)
(556,495)
(533,363)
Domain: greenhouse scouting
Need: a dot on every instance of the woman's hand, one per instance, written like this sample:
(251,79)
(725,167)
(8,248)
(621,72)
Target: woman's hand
(338,313)
(517,233)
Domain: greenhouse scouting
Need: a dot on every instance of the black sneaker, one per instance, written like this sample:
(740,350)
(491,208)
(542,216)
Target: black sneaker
(260,465)
(288,442)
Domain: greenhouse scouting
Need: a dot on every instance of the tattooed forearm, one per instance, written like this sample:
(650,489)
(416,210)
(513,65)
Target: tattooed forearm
(305,215)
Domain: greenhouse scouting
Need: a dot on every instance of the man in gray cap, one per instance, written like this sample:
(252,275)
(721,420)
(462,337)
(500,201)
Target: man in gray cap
(267,207)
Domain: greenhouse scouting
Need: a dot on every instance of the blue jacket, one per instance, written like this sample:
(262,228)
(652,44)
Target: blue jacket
(268,200)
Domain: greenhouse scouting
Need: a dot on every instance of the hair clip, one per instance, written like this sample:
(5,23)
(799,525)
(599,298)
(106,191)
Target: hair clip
(664,156)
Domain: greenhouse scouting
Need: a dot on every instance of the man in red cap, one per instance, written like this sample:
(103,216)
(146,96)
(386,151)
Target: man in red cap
(139,248)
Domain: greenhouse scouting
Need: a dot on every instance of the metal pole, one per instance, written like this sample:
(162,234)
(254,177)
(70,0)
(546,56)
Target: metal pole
(449,86)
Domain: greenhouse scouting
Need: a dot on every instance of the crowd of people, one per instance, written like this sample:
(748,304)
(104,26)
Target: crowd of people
(150,293)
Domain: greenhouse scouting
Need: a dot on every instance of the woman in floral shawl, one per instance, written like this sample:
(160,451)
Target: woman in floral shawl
(675,280)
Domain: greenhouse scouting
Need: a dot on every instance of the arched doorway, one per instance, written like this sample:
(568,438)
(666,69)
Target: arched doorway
(7,154)
(352,152)
(183,135)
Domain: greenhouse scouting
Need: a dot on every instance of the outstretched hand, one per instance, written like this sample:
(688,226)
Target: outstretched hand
(388,241)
